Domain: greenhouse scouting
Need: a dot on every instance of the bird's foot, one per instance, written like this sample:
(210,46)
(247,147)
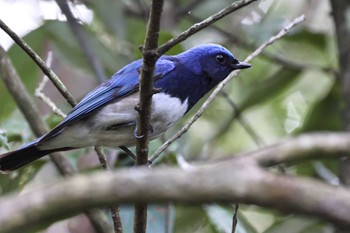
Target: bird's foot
(132,155)
(151,130)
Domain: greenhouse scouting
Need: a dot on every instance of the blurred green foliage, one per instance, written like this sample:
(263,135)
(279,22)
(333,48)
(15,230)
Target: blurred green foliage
(276,99)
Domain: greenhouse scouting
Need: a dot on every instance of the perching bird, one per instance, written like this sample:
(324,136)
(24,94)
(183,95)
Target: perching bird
(107,115)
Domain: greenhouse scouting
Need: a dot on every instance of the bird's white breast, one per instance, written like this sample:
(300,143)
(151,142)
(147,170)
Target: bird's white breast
(166,111)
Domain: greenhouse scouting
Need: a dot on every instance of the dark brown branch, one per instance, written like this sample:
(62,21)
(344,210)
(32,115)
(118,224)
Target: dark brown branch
(82,40)
(144,106)
(340,11)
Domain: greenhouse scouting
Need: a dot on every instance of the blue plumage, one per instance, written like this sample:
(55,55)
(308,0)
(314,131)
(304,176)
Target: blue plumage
(121,84)
(106,115)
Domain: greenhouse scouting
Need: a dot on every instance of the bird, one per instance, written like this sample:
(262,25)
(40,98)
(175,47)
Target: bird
(107,117)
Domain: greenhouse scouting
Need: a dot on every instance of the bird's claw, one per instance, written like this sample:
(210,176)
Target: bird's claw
(137,136)
(151,130)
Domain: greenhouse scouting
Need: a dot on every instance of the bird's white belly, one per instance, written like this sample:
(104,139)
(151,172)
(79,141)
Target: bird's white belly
(166,111)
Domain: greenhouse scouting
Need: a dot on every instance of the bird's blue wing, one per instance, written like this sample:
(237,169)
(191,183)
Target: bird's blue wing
(121,84)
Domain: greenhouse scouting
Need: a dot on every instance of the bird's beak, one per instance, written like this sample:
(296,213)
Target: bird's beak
(241,65)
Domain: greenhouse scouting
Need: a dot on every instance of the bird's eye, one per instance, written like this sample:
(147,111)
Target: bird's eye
(220,58)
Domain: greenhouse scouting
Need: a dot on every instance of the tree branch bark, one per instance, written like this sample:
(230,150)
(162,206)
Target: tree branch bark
(146,89)
(306,146)
(238,179)
(339,12)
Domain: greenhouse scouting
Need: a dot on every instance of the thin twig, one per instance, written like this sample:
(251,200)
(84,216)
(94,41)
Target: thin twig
(117,222)
(83,40)
(40,94)
(167,218)
(144,106)
(39,91)
(36,58)
(234,218)
(201,25)
(221,85)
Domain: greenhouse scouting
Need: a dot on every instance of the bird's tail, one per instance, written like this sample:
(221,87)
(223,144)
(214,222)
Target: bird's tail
(15,159)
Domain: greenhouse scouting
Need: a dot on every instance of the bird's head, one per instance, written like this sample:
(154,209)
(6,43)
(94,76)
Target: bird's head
(197,71)
(214,61)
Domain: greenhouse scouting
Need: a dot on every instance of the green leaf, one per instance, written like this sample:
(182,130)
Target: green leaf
(220,218)
(68,49)
(164,37)
(317,40)
(292,224)
(325,114)
(103,10)
(26,69)
(4,140)
(269,88)
(191,219)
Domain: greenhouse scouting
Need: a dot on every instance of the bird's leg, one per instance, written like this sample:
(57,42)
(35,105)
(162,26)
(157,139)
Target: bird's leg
(132,155)
(128,152)
(151,130)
